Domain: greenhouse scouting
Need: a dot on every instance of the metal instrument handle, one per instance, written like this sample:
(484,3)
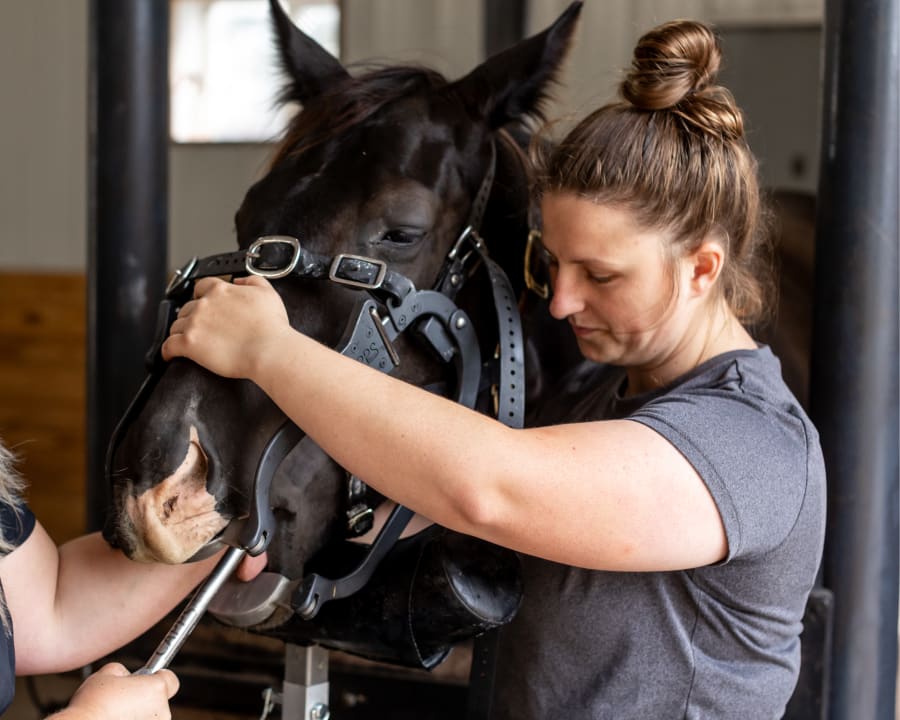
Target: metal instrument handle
(193,611)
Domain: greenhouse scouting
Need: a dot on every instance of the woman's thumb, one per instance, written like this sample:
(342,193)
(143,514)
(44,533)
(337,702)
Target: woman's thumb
(171,681)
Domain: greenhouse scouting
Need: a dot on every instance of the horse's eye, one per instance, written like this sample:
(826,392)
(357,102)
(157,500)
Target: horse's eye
(402,236)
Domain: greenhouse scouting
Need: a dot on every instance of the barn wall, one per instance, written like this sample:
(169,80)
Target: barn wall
(43,134)
(42,391)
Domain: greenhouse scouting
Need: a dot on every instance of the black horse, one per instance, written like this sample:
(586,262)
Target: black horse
(389,166)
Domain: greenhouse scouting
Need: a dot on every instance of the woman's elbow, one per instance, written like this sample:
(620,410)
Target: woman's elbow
(479,509)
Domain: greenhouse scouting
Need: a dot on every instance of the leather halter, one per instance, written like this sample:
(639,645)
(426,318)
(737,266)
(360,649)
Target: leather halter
(394,305)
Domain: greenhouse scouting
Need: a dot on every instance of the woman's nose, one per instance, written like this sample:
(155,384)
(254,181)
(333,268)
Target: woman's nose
(565,300)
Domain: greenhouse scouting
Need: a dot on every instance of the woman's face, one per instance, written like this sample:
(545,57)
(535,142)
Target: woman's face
(612,281)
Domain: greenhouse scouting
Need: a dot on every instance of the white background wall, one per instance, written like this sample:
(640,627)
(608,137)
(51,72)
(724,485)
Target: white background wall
(43,125)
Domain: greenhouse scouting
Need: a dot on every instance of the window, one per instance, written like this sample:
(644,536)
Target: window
(223,72)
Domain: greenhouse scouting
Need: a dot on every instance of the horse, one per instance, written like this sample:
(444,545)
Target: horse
(379,179)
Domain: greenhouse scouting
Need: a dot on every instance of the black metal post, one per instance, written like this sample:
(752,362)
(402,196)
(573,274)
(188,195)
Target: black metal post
(854,372)
(128,206)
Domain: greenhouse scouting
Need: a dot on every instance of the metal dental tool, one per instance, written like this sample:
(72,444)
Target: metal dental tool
(193,611)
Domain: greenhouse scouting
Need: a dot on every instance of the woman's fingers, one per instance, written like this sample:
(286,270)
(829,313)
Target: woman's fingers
(170,679)
(114,669)
(203,286)
(167,677)
(216,328)
(250,567)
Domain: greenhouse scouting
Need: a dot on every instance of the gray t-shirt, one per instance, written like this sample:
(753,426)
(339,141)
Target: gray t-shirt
(720,641)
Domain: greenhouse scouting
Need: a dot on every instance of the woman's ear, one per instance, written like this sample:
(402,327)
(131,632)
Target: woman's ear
(706,263)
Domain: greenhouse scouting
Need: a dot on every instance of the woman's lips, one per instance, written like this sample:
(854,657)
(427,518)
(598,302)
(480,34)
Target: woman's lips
(580,330)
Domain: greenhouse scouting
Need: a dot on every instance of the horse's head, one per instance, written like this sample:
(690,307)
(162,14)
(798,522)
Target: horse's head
(385,165)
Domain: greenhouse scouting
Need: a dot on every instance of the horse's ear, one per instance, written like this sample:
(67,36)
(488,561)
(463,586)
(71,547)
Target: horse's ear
(310,67)
(514,82)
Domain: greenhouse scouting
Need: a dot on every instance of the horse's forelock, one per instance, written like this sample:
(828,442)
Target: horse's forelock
(350,103)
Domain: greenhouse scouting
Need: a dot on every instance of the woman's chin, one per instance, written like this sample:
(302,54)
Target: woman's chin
(600,352)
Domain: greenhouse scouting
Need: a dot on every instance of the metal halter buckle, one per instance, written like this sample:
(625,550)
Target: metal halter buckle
(469,233)
(181,277)
(275,272)
(357,271)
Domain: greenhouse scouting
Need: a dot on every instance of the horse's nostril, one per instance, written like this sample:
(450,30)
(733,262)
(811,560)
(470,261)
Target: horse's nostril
(169,506)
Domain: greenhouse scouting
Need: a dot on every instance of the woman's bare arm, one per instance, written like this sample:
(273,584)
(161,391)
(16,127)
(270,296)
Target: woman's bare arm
(606,495)
(73,604)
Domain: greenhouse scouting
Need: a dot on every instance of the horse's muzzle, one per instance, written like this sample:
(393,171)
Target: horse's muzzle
(176,518)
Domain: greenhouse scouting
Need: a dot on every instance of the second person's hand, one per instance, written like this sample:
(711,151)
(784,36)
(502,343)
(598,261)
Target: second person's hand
(112,693)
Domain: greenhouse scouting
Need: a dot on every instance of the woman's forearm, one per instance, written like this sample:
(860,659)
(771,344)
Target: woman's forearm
(89,600)
(417,448)
(95,578)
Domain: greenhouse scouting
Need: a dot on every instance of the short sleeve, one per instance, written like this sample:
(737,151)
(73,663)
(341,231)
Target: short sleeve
(16,523)
(751,454)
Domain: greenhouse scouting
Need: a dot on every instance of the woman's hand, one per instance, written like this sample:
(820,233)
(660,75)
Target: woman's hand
(112,693)
(251,566)
(227,327)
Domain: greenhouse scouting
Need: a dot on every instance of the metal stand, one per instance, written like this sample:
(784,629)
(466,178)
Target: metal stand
(304,695)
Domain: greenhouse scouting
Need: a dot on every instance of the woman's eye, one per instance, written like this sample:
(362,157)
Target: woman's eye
(402,237)
(602,279)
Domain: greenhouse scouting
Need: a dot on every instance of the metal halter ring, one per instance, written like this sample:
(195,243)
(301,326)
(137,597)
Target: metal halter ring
(277,272)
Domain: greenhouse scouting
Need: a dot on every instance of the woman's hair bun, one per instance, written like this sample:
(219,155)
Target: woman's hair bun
(670,62)
(675,66)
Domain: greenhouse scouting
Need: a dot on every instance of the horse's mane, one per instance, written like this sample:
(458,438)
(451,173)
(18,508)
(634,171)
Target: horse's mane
(349,102)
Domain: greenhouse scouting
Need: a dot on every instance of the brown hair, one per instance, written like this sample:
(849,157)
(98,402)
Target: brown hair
(673,151)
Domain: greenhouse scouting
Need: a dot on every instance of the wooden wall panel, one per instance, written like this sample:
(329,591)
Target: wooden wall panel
(42,392)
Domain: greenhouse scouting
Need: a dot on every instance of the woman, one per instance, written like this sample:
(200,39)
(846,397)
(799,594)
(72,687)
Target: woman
(65,607)
(670,509)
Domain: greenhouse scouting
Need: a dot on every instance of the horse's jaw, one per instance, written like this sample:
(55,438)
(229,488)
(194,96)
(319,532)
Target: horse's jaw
(173,520)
